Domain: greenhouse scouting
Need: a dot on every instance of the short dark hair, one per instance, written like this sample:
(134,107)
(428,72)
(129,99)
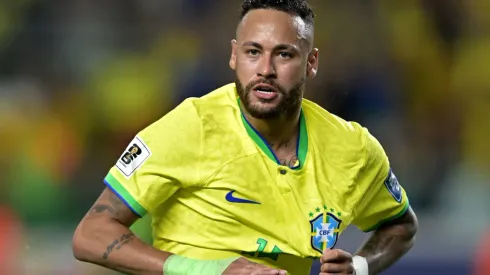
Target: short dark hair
(295,7)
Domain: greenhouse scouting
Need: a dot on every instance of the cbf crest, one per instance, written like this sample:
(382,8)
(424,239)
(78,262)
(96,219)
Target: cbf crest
(325,228)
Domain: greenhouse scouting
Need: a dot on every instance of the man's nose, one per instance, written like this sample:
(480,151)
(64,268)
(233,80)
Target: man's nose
(266,67)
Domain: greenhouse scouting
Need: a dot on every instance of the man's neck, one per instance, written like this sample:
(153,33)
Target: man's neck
(277,132)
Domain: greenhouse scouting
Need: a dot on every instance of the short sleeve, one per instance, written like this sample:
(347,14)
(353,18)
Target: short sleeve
(160,160)
(383,198)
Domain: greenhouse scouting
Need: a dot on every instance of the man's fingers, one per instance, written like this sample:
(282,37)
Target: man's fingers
(335,256)
(244,266)
(258,269)
(266,271)
(336,268)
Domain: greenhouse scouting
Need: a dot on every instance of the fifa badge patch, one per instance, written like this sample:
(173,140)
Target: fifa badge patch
(325,228)
(133,157)
(393,186)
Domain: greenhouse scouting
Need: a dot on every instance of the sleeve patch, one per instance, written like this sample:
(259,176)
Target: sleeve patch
(133,157)
(393,186)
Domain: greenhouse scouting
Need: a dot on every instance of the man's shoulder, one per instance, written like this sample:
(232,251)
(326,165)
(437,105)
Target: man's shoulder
(193,110)
(208,119)
(214,101)
(324,120)
(342,139)
(218,111)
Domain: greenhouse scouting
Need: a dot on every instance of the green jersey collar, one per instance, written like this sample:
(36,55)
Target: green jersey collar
(301,145)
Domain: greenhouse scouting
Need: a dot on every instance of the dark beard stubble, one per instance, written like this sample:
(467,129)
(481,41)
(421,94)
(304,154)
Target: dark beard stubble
(287,107)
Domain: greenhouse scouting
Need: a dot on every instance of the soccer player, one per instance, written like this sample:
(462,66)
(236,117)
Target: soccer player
(252,178)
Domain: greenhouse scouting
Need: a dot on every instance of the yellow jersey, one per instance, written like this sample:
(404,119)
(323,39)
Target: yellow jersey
(215,189)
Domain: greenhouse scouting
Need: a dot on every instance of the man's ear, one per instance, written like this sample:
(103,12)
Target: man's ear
(312,66)
(233,54)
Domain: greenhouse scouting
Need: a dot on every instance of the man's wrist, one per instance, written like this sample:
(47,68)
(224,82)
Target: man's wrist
(178,265)
(360,265)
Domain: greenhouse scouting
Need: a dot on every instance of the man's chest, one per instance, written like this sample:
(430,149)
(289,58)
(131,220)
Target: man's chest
(302,210)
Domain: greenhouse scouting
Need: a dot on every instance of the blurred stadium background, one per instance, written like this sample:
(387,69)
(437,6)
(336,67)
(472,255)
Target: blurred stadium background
(79,78)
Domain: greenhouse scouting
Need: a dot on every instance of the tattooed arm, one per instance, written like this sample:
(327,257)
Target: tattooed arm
(103,238)
(390,242)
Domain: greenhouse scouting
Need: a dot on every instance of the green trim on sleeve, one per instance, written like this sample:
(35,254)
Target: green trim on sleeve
(399,214)
(113,184)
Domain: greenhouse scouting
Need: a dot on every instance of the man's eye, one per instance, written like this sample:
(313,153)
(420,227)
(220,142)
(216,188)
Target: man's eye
(253,52)
(285,55)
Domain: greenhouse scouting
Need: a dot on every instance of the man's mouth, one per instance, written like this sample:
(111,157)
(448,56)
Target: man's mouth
(265,91)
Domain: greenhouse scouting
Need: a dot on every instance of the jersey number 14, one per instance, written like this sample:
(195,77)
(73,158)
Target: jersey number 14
(274,254)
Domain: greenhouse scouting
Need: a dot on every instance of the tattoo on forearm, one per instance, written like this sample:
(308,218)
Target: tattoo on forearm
(118,244)
(100,208)
(388,244)
(378,243)
(115,200)
(383,249)
(113,206)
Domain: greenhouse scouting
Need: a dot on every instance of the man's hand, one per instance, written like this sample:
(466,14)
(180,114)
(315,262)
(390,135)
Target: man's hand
(243,266)
(336,261)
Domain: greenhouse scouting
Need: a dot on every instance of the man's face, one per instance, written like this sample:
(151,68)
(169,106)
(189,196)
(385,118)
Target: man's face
(272,59)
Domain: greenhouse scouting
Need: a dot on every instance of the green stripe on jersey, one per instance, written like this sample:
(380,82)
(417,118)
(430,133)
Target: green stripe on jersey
(124,195)
(399,214)
(303,140)
(302,143)
(258,140)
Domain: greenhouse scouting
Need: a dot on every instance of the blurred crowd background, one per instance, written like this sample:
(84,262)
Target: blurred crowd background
(79,78)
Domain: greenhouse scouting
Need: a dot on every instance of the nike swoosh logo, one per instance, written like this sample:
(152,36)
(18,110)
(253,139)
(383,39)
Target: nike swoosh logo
(229,197)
